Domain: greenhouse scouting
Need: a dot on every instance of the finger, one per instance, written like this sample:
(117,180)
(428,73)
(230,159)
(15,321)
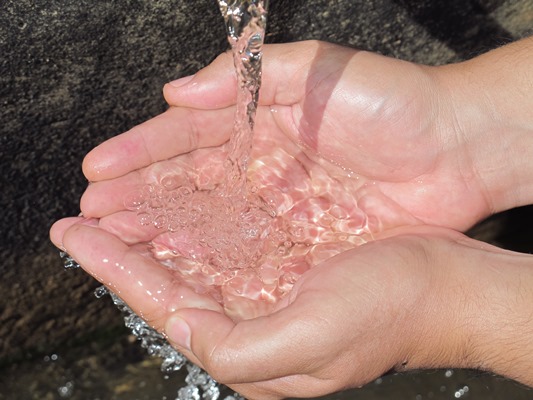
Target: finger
(176,131)
(284,75)
(199,168)
(147,287)
(59,228)
(110,196)
(126,225)
(265,348)
(107,197)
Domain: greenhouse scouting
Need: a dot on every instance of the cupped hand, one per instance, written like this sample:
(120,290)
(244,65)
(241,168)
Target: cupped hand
(385,122)
(381,130)
(421,298)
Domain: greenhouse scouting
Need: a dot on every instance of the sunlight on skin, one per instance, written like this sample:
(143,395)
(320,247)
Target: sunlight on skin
(386,131)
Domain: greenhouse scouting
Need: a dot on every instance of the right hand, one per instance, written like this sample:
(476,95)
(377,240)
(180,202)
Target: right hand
(389,122)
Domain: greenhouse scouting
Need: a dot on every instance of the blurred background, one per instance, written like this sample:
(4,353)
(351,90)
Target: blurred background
(74,73)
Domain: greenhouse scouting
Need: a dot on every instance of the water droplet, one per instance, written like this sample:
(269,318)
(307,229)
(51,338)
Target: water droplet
(66,390)
(461,392)
(160,221)
(144,218)
(170,182)
(100,292)
(135,200)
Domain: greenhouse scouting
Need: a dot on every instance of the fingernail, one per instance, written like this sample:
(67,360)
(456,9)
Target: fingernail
(89,221)
(179,332)
(181,81)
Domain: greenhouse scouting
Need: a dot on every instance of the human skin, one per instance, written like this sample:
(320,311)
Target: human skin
(439,148)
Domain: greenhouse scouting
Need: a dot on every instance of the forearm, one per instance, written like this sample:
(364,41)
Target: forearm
(492,114)
(504,323)
(480,313)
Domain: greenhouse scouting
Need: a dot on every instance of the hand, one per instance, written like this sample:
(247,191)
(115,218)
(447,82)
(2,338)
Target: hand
(422,298)
(293,161)
(382,120)
(368,104)
(406,302)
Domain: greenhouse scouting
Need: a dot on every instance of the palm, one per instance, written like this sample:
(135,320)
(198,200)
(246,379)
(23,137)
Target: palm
(315,204)
(376,117)
(382,120)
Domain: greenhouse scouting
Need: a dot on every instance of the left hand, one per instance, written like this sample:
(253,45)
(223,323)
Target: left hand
(423,298)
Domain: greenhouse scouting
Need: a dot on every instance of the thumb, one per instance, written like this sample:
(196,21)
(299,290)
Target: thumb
(264,348)
(286,69)
(212,87)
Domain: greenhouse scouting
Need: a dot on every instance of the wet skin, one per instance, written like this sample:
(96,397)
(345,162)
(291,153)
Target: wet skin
(433,150)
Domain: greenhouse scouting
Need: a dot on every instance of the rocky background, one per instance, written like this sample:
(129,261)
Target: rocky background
(76,72)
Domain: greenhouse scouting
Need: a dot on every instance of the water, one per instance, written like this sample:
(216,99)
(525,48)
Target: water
(245,24)
(246,221)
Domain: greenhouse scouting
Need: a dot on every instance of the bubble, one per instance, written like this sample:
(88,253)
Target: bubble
(341,237)
(148,190)
(160,221)
(144,218)
(170,182)
(176,223)
(156,202)
(185,191)
(195,214)
(338,212)
(296,232)
(135,200)
(326,219)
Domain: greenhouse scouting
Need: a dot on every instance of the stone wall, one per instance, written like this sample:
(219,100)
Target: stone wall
(75,72)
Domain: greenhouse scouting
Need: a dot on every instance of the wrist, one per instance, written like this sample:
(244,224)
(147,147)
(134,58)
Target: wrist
(502,311)
(478,312)
(488,114)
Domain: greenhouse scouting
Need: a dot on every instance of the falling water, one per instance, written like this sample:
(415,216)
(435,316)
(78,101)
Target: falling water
(245,25)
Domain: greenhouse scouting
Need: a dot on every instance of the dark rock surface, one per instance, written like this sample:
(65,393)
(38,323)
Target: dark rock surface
(73,73)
